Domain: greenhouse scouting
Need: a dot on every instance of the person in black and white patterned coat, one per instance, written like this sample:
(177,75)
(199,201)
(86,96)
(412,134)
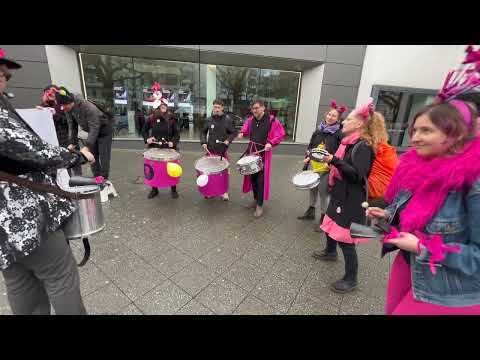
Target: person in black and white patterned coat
(35,259)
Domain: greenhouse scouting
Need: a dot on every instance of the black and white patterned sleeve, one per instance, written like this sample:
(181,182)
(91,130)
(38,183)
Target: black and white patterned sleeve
(25,147)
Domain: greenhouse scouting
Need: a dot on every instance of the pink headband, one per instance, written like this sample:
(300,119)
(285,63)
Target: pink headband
(365,110)
(341,109)
(461,81)
(463,108)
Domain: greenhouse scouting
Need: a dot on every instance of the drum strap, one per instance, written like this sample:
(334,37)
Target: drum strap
(86,254)
(42,188)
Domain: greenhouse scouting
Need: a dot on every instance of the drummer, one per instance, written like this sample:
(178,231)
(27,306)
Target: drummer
(161,131)
(265,131)
(220,130)
(327,136)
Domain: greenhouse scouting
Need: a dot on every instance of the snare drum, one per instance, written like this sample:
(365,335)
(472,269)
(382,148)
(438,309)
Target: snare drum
(306,180)
(250,164)
(88,217)
(216,168)
(155,167)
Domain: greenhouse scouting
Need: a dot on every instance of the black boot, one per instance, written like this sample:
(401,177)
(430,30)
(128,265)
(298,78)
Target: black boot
(309,214)
(324,255)
(344,285)
(349,281)
(153,193)
(317,227)
(329,253)
(174,193)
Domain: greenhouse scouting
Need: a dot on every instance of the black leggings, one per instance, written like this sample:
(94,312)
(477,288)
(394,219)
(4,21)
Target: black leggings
(258,186)
(349,255)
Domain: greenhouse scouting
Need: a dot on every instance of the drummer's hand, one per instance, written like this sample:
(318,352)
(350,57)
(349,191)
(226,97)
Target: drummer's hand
(226,142)
(240,135)
(268,147)
(204,146)
(71,147)
(376,213)
(170,144)
(150,140)
(88,155)
(306,160)
(327,158)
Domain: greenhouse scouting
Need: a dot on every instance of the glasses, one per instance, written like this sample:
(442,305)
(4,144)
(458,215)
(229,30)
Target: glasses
(256,108)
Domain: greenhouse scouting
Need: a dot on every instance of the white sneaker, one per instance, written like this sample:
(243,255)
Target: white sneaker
(225,197)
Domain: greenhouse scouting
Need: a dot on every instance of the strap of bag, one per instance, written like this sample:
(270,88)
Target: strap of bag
(42,188)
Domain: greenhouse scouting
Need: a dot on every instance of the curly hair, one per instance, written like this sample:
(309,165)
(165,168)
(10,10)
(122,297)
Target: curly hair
(375,131)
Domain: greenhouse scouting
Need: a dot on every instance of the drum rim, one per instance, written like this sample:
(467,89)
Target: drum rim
(306,171)
(171,151)
(211,172)
(257,158)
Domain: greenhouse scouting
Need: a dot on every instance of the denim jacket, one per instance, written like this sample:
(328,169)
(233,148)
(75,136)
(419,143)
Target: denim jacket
(457,281)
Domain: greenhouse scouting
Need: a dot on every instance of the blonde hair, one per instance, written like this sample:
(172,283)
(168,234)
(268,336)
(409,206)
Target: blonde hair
(374,132)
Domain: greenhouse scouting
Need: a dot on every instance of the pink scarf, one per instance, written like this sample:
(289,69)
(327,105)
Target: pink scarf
(340,154)
(429,181)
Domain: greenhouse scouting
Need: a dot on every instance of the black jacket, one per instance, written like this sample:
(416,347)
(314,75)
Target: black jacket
(331,141)
(218,128)
(348,193)
(161,127)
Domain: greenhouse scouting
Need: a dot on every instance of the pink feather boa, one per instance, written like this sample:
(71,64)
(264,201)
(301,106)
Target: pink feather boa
(429,181)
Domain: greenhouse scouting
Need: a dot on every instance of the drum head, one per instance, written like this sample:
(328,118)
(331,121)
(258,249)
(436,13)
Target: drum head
(161,154)
(248,159)
(211,164)
(317,156)
(305,178)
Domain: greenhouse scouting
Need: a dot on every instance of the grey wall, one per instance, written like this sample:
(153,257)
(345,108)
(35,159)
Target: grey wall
(28,82)
(342,73)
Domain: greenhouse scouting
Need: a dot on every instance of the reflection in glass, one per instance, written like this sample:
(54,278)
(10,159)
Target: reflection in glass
(123,86)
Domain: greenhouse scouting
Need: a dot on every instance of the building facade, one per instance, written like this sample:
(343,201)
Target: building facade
(296,81)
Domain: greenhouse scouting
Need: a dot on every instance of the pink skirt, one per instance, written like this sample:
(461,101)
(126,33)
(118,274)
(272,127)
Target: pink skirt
(338,233)
(400,300)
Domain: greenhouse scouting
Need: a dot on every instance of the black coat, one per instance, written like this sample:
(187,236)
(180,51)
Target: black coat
(348,194)
(161,127)
(331,141)
(218,128)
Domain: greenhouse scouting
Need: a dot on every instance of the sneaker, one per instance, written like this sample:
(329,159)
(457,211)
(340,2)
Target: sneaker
(225,197)
(104,195)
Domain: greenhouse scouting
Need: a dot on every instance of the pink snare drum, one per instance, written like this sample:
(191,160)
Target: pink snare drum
(217,172)
(155,167)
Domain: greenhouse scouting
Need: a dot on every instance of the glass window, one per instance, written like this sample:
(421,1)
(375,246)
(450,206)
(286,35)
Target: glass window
(399,106)
(123,85)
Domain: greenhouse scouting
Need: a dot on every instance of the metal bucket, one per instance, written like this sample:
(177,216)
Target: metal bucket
(88,218)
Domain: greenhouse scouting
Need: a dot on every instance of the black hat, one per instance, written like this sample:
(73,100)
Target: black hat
(51,86)
(63,96)
(10,64)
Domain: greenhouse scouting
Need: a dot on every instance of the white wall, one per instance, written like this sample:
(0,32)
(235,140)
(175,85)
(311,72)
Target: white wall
(417,66)
(63,66)
(308,103)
